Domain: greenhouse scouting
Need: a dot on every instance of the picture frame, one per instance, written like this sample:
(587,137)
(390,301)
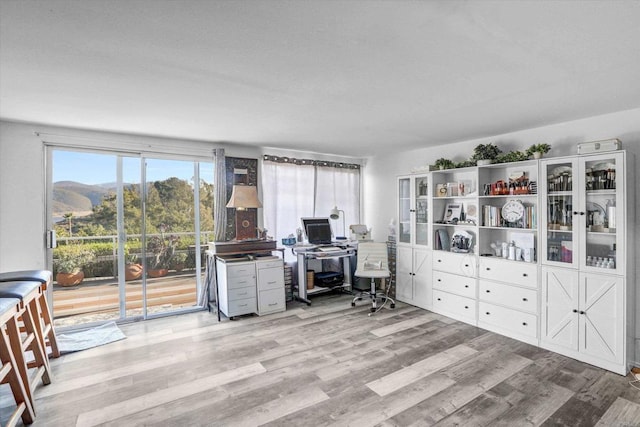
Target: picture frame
(452,212)
(471,212)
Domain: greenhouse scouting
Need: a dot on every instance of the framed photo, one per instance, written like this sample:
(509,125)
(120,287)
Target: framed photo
(471,212)
(441,190)
(452,212)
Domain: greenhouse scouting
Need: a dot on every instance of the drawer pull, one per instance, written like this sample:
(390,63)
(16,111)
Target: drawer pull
(466,306)
(524,299)
(488,291)
(241,283)
(271,283)
(524,323)
(487,269)
(243,305)
(271,305)
(466,265)
(244,293)
(439,299)
(439,280)
(575,311)
(466,286)
(524,274)
(439,260)
(582,312)
(488,313)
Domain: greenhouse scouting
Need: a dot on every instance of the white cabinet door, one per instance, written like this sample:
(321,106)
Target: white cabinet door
(601,316)
(422,278)
(404,274)
(559,325)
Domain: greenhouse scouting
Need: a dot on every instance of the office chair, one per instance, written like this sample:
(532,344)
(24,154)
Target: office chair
(373,263)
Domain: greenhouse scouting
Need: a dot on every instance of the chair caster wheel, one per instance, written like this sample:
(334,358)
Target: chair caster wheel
(393,306)
(353,304)
(373,310)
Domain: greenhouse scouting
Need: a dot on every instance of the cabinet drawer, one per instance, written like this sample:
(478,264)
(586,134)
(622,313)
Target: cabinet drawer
(508,319)
(511,296)
(271,301)
(242,293)
(245,269)
(260,265)
(454,305)
(271,278)
(460,285)
(242,306)
(514,272)
(463,264)
(240,282)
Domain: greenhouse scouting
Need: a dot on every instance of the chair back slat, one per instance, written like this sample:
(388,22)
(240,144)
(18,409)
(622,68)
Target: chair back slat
(372,252)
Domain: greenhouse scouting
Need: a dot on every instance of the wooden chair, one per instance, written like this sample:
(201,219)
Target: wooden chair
(13,369)
(31,340)
(44,277)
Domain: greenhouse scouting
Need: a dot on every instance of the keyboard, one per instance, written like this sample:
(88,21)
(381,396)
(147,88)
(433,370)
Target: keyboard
(329,249)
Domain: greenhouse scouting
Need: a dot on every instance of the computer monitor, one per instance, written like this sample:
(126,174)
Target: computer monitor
(318,230)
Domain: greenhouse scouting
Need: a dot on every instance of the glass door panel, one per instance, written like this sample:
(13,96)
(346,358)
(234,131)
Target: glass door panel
(404,210)
(602,198)
(421,191)
(172,249)
(560,238)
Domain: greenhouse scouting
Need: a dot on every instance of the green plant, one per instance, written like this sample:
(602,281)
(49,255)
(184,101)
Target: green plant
(538,148)
(486,152)
(162,249)
(512,156)
(178,261)
(465,164)
(72,258)
(443,163)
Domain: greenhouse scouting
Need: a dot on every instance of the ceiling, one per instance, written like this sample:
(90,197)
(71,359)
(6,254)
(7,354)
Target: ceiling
(353,78)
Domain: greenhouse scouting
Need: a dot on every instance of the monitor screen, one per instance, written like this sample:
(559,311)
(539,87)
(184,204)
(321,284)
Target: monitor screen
(318,230)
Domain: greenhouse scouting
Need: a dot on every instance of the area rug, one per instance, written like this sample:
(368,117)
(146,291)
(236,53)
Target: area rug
(89,338)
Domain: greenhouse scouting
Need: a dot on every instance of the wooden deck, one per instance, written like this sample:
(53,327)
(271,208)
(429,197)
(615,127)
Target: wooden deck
(98,300)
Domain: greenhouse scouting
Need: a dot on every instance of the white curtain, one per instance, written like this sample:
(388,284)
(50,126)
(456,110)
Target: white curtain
(339,187)
(287,196)
(220,197)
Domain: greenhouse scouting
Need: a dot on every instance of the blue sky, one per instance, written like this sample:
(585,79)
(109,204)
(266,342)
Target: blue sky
(92,168)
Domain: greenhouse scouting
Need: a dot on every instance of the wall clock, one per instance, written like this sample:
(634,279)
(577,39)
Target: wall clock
(513,211)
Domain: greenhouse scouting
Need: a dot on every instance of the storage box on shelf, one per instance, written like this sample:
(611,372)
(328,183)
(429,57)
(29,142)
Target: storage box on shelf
(587,289)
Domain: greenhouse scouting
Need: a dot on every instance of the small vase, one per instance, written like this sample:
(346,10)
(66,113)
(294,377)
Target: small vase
(537,155)
(132,272)
(484,162)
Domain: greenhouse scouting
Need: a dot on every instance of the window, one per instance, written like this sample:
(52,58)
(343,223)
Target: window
(296,188)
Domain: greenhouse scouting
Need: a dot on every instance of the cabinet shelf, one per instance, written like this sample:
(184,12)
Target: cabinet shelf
(485,227)
(510,196)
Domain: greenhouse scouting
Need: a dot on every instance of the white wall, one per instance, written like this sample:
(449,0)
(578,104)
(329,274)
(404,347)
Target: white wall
(381,172)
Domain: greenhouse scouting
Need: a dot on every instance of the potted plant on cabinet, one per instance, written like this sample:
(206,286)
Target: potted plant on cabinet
(512,156)
(485,154)
(443,163)
(537,150)
(69,262)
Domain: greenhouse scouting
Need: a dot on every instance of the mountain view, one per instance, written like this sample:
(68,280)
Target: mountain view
(78,198)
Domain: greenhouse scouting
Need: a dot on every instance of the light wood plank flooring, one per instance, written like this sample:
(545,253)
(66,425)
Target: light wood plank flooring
(327,365)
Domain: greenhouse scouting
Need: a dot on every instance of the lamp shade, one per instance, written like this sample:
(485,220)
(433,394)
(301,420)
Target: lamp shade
(335,213)
(244,197)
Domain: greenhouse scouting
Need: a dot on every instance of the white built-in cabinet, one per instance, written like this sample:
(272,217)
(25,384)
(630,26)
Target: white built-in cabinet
(550,271)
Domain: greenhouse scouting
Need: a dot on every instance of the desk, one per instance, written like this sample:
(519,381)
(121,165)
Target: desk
(303,257)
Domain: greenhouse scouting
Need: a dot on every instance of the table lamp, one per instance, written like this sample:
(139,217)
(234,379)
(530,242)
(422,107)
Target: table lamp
(335,214)
(244,197)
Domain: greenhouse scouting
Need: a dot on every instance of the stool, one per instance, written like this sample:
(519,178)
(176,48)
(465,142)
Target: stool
(13,369)
(28,293)
(44,277)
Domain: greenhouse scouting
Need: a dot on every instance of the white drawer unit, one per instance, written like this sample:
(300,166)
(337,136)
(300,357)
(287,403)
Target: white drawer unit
(511,296)
(459,285)
(236,287)
(512,272)
(509,322)
(456,263)
(270,284)
(454,306)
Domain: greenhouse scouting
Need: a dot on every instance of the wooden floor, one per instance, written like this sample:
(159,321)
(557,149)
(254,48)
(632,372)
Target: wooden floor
(327,365)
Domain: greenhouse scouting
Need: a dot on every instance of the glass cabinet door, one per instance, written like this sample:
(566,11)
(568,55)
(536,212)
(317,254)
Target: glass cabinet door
(560,238)
(421,191)
(602,211)
(404,210)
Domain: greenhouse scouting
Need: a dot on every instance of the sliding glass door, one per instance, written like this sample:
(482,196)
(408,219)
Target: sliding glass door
(130,229)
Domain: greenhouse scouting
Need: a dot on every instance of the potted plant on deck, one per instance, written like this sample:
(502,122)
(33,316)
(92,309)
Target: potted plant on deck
(537,150)
(133,268)
(163,250)
(485,154)
(69,262)
(178,261)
